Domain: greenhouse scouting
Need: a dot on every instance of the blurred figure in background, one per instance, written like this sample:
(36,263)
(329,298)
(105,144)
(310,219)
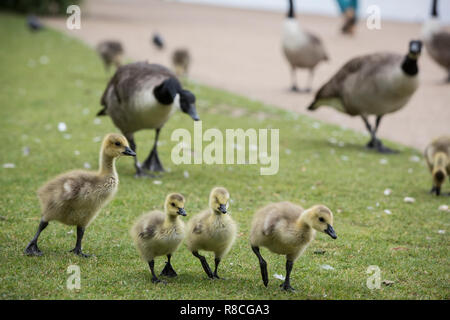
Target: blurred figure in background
(181,60)
(111,52)
(349,9)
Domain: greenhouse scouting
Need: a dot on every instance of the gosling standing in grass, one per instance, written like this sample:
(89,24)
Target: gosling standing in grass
(212,230)
(286,228)
(157,233)
(111,53)
(75,198)
(437,155)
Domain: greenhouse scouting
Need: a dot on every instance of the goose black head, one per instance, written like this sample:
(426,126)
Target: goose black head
(187,104)
(415,48)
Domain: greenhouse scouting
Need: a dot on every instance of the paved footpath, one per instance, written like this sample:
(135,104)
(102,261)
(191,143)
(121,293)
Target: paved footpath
(239,50)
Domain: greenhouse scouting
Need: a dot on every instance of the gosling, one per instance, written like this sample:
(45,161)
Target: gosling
(212,230)
(157,233)
(181,61)
(437,155)
(286,228)
(76,197)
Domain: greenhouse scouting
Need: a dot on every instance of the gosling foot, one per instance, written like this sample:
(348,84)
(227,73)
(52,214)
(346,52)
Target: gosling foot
(168,271)
(78,252)
(33,250)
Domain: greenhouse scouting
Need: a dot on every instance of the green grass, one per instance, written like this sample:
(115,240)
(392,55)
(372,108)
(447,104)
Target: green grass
(34,97)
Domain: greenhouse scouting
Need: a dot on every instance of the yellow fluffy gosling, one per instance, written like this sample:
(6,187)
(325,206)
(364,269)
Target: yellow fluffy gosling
(286,228)
(75,198)
(437,155)
(157,234)
(212,230)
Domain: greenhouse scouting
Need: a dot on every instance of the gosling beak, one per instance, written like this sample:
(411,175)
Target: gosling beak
(223,208)
(193,112)
(182,212)
(330,231)
(129,152)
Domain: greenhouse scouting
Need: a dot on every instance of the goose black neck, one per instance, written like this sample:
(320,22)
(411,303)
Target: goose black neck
(409,66)
(291,12)
(434,11)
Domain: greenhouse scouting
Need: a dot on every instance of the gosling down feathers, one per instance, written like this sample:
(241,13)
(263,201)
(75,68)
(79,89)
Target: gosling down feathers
(301,48)
(437,156)
(111,53)
(212,230)
(437,40)
(157,233)
(375,84)
(75,198)
(144,96)
(181,60)
(286,228)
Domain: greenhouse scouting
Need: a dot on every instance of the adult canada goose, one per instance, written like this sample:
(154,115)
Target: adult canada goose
(212,230)
(144,96)
(75,198)
(437,155)
(111,52)
(286,228)
(374,84)
(160,233)
(33,23)
(181,60)
(302,49)
(437,40)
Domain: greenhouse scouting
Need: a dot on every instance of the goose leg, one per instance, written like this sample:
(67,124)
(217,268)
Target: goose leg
(375,143)
(139,171)
(286,285)
(294,87)
(204,263)
(32,248)
(155,279)
(77,249)
(168,270)
(308,89)
(262,265)
(152,163)
(216,262)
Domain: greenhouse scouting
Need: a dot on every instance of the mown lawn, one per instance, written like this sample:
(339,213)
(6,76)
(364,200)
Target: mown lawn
(47,78)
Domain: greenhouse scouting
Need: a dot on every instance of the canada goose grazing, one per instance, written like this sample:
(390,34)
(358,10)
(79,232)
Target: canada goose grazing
(437,40)
(144,96)
(111,52)
(33,23)
(212,230)
(158,41)
(437,155)
(302,49)
(181,60)
(374,84)
(286,228)
(157,234)
(75,198)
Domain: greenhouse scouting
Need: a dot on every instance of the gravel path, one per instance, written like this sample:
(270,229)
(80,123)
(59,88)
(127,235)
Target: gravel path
(239,50)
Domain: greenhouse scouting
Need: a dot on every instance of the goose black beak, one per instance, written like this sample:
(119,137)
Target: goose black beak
(223,208)
(182,212)
(193,112)
(129,152)
(330,231)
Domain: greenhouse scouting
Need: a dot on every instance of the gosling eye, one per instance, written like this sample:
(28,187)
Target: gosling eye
(173,204)
(118,143)
(321,219)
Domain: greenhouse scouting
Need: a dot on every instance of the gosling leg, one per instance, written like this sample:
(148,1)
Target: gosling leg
(155,279)
(286,285)
(168,270)
(216,262)
(32,248)
(262,265)
(77,250)
(205,264)
(152,163)
(436,190)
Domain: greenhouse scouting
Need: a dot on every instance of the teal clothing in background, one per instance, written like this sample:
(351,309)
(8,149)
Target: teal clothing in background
(348,4)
